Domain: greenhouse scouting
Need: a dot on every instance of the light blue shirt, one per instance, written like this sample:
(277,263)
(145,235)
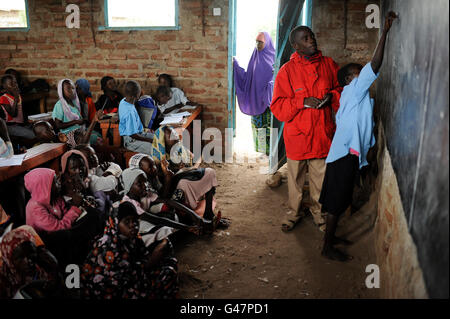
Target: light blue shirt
(58,113)
(354,119)
(129,120)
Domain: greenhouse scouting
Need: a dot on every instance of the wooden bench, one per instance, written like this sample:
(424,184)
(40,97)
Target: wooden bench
(47,154)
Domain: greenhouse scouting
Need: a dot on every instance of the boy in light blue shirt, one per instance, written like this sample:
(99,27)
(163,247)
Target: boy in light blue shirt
(130,125)
(351,142)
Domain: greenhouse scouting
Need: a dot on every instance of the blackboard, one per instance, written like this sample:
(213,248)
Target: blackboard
(412,103)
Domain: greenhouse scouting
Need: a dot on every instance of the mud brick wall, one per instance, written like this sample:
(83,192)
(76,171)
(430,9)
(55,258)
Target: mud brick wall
(400,273)
(341,30)
(195,55)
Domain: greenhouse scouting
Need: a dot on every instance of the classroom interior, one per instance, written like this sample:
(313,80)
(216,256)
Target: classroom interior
(399,217)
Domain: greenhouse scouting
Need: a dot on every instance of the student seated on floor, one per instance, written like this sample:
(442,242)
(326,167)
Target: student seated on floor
(110,99)
(120,266)
(103,179)
(153,227)
(67,222)
(197,184)
(172,99)
(130,125)
(11,109)
(27,268)
(193,190)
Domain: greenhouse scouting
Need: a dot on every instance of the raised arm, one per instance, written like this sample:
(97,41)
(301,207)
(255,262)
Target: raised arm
(377,58)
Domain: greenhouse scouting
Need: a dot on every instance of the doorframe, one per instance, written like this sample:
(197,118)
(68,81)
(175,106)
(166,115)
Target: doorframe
(231,52)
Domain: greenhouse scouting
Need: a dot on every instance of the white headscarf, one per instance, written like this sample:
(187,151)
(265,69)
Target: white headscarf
(103,183)
(66,108)
(129,176)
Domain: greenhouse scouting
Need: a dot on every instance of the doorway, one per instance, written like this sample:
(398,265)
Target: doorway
(252,17)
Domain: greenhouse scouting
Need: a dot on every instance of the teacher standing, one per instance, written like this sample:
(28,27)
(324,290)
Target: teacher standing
(254,88)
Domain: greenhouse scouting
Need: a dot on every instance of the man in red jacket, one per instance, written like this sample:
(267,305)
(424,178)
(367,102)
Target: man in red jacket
(305,95)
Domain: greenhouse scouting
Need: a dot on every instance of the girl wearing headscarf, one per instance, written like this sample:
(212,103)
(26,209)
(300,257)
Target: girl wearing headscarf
(85,96)
(120,266)
(68,118)
(162,182)
(152,227)
(254,87)
(67,224)
(46,211)
(196,183)
(23,260)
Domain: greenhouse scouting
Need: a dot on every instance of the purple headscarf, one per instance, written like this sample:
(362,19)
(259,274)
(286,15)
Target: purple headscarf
(254,88)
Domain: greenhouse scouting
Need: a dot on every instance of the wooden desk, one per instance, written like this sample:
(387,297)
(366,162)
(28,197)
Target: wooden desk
(47,153)
(41,96)
(187,124)
(112,123)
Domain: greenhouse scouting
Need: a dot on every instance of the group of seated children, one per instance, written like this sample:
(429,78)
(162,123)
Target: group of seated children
(115,224)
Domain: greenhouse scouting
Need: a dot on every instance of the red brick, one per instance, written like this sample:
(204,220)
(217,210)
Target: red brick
(128,67)
(192,54)
(48,65)
(166,37)
(117,56)
(192,74)
(148,46)
(137,56)
(164,56)
(180,46)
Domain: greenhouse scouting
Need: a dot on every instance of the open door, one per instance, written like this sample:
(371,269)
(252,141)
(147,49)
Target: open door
(290,14)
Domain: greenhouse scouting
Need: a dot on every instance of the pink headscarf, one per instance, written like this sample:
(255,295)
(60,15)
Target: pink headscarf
(39,183)
(67,155)
(66,108)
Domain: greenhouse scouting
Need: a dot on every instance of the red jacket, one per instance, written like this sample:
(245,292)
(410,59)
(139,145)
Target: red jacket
(307,132)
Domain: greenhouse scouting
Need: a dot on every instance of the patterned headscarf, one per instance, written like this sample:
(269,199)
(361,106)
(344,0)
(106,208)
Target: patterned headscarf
(159,149)
(9,243)
(112,269)
(65,106)
(136,159)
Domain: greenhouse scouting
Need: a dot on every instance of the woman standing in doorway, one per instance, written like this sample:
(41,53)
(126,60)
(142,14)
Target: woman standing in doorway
(254,88)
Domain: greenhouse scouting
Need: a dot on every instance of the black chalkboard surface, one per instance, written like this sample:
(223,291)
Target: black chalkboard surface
(412,103)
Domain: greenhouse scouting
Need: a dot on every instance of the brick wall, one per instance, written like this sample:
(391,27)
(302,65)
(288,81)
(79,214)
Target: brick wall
(195,55)
(344,41)
(400,272)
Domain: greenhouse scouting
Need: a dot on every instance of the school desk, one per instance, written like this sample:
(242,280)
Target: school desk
(47,154)
(113,123)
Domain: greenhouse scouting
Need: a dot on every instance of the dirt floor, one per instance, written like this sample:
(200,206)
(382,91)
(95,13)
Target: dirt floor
(253,258)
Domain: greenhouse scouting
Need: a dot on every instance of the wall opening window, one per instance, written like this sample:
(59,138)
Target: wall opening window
(141,14)
(13,15)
